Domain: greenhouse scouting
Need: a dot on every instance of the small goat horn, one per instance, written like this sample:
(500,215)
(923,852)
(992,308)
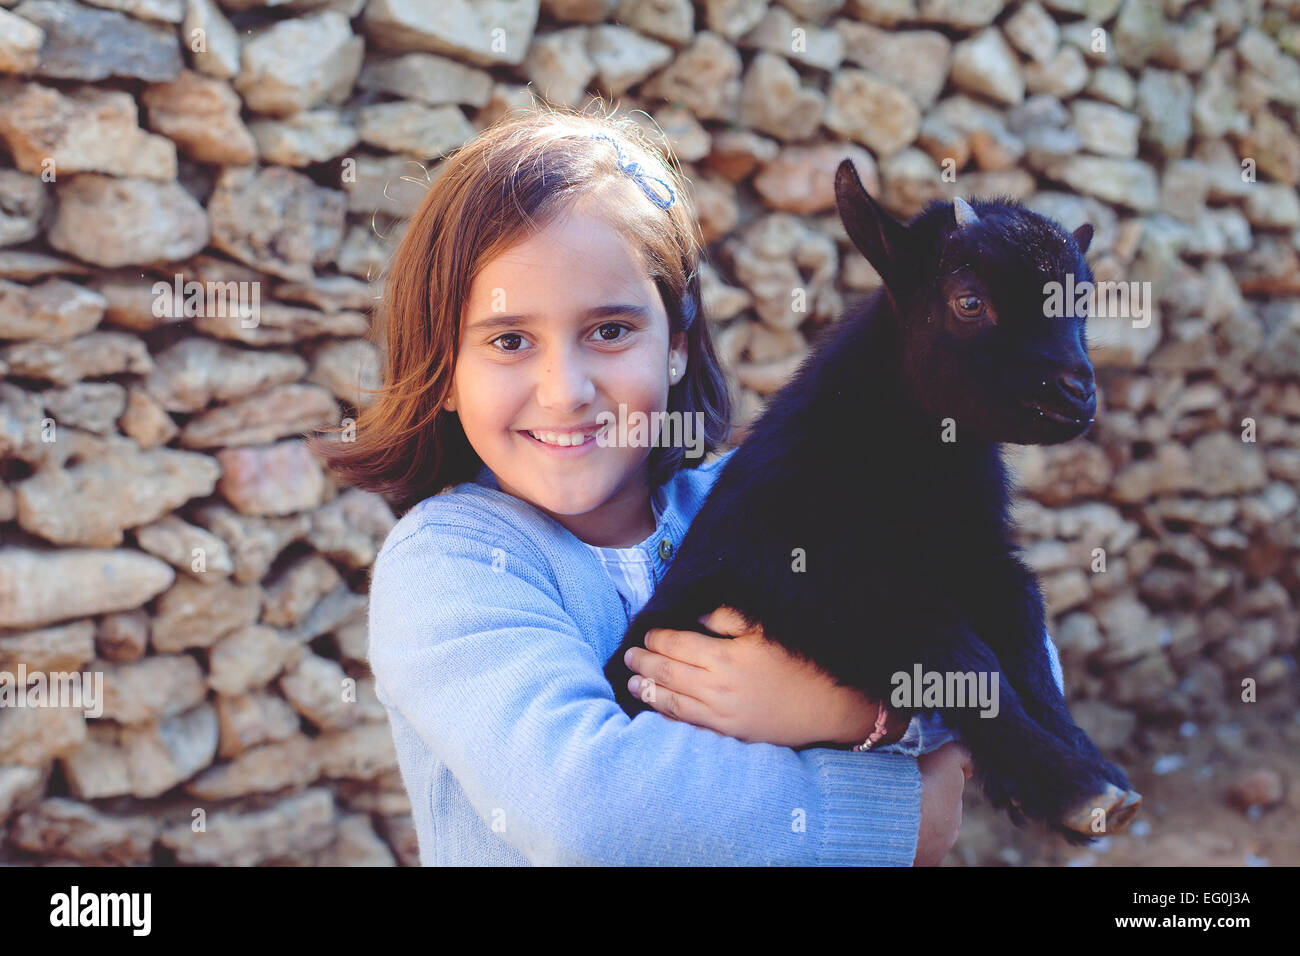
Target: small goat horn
(965,214)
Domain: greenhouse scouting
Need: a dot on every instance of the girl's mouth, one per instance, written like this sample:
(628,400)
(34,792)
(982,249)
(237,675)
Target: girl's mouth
(566,442)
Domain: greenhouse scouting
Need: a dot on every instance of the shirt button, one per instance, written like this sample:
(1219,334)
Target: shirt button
(665,549)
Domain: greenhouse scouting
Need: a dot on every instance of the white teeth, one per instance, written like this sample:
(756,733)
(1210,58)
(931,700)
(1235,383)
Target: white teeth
(564,439)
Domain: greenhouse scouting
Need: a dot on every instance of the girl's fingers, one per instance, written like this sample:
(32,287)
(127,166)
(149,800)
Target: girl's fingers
(689,647)
(672,704)
(725,620)
(665,671)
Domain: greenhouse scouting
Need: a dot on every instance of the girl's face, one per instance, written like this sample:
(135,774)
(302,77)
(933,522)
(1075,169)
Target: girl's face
(558,329)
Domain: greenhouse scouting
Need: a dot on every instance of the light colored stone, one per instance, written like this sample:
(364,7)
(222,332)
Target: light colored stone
(20,44)
(64,647)
(254,542)
(34,736)
(871,112)
(485,33)
(1164,102)
(302,823)
(86,356)
(153,688)
(217,42)
(22,205)
(193,613)
(357,845)
(1033,32)
(909,180)
(196,371)
(318,689)
(434,80)
(297,589)
(90,406)
(984,64)
(347,368)
(707,76)
(916,61)
(75,831)
(19,786)
(111,222)
(274,480)
(276,220)
(313,136)
(424,132)
(165,11)
(143,760)
(39,588)
(201,115)
(260,419)
(300,63)
(249,658)
(1128,182)
(82,43)
(84,130)
(91,503)
(960,14)
(558,67)
(623,57)
(24,265)
(1064,75)
(362,752)
(262,769)
(55,310)
(802,179)
(252,719)
(819,47)
(123,635)
(1106,130)
(775,101)
(145,421)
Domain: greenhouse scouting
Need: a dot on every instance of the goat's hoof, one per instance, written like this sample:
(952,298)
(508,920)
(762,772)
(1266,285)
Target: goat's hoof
(1117,820)
(1080,818)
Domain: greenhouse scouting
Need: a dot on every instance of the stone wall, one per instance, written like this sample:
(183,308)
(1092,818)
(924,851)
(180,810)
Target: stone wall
(162,524)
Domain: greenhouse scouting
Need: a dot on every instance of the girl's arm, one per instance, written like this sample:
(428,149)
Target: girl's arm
(500,686)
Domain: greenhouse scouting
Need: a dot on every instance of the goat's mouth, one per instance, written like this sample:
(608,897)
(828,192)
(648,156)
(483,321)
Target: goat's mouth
(1061,414)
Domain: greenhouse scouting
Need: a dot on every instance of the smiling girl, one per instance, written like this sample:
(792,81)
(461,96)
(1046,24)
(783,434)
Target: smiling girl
(550,279)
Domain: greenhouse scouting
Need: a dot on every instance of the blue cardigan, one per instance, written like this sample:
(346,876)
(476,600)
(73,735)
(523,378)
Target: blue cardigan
(489,627)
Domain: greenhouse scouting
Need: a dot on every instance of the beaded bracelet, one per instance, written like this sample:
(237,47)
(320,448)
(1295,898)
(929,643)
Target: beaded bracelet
(875,734)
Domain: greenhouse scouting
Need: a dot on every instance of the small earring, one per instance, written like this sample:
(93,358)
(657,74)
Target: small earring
(673,372)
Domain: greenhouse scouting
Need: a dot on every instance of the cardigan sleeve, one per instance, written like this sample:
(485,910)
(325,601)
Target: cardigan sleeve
(493,675)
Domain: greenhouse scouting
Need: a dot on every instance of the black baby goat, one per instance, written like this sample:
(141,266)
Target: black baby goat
(864,520)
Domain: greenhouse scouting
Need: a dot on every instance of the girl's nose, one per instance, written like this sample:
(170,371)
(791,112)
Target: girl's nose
(564,384)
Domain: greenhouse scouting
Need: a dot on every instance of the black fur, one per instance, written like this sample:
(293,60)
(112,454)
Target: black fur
(908,545)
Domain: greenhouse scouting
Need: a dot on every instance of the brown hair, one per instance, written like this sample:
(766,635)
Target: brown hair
(506,182)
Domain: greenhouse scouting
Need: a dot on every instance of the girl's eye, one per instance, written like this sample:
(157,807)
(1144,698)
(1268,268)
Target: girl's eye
(608,326)
(509,342)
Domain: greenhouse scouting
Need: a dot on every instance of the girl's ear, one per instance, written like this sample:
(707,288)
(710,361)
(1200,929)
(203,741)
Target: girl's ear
(450,403)
(677,352)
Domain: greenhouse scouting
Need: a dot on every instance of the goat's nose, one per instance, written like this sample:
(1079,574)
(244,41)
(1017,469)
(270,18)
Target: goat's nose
(1079,388)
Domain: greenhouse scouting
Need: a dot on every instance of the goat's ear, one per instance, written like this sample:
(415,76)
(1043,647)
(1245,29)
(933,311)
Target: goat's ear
(877,234)
(1083,236)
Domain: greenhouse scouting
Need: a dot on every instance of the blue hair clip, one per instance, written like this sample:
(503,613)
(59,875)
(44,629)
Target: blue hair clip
(634,170)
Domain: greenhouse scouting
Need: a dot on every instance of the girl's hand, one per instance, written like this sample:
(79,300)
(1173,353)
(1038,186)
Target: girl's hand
(944,773)
(748,687)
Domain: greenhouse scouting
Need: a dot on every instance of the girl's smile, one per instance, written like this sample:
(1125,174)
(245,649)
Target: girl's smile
(565,441)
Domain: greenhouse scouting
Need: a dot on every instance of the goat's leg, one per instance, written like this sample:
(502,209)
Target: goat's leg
(1011,617)
(1026,769)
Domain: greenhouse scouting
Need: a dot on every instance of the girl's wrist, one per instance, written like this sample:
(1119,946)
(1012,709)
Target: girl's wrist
(860,722)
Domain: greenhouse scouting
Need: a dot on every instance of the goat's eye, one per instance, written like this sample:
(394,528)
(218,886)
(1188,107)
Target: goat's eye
(969,306)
